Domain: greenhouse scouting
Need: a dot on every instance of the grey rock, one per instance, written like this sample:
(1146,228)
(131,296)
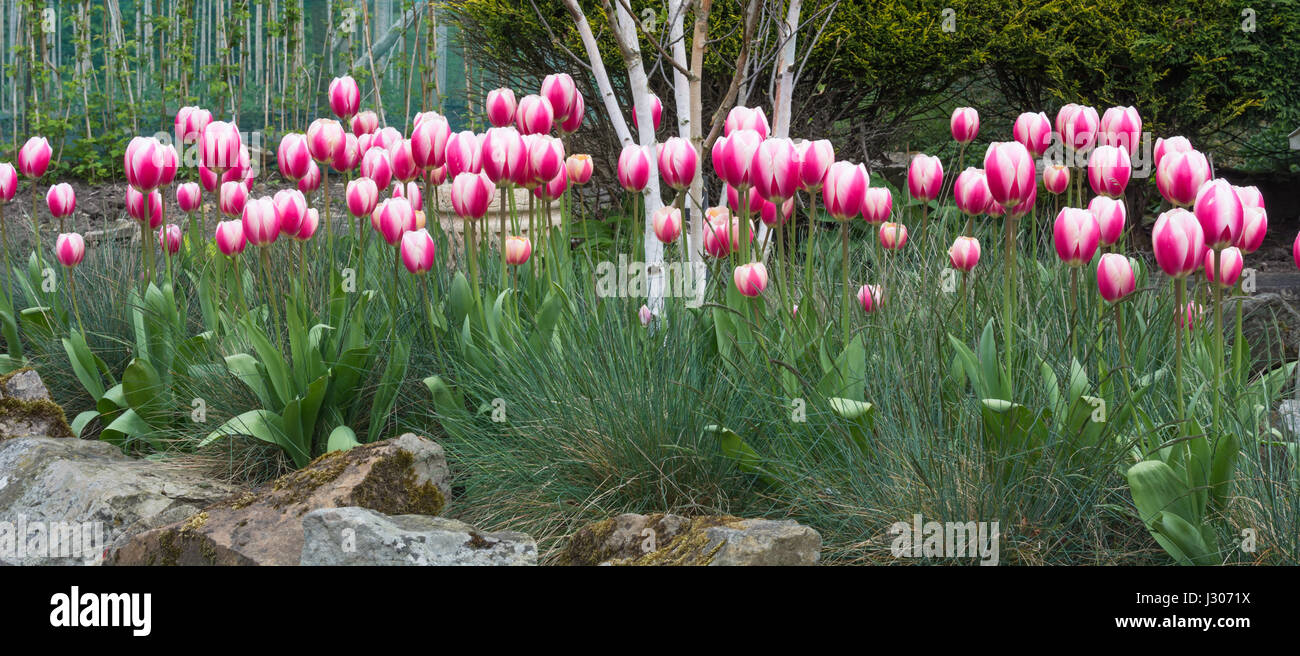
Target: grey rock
(90,488)
(24,385)
(360,536)
(1270,324)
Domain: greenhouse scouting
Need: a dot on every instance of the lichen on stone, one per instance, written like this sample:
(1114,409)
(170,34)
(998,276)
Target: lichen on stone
(40,409)
(391,487)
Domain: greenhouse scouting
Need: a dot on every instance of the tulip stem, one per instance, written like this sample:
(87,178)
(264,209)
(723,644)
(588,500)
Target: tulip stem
(266,273)
(1180,325)
(428,309)
(1009,288)
(471,254)
(9,282)
(1218,336)
(844,274)
(36,226)
(1123,356)
(809,255)
(1074,312)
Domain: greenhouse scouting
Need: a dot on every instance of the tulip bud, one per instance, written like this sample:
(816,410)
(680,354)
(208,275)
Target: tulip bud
(633,168)
(750,279)
(965,124)
(62,200)
(971,191)
(772,214)
(1109,170)
(429,141)
(579,168)
(393,218)
(1110,215)
(747,118)
(877,205)
(1034,132)
(893,235)
(1009,170)
(678,163)
(645,315)
(349,155)
(8,182)
(964,253)
(1168,146)
(292,207)
(815,159)
(576,114)
(656,113)
(471,194)
(189,196)
(845,189)
(376,164)
(135,207)
(366,122)
(1178,242)
(869,298)
(1231,262)
(1076,235)
(34,157)
(169,238)
(324,138)
(561,92)
(261,221)
(464,154)
(1220,213)
(232,199)
(1078,127)
(534,115)
(230,237)
(190,123)
(293,156)
(418,251)
(1179,176)
(1115,278)
(345,97)
(775,170)
(220,146)
(517,250)
(1252,230)
(69,249)
(310,182)
(1121,127)
(1056,178)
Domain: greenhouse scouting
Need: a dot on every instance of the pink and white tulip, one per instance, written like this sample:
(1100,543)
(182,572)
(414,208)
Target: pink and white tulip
(845,189)
(877,205)
(1111,216)
(965,124)
(815,159)
(464,154)
(61,200)
(517,250)
(1009,170)
(1109,169)
(501,106)
(418,251)
(1034,132)
(1178,242)
(964,253)
(1076,235)
(534,115)
(678,163)
(1253,228)
(1056,178)
(220,146)
(169,238)
(429,141)
(1231,261)
(471,194)
(1180,174)
(971,192)
(656,113)
(1121,127)
(1115,278)
(869,297)
(667,223)
(324,139)
(747,118)
(366,122)
(293,157)
(261,221)
(69,249)
(924,177)
(633,168)
(230,238)
(8,182)
(34,157)
(345,97)
(377,165)
(135,206)
(579,168)
(893,236)
(774,170)
(750,279)
(1220,213)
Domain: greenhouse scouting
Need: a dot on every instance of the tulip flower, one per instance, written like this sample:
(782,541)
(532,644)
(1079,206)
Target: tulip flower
(772,218)
(261,221)
(1034,132)
(750,202)
(1110,215)
(1179,176)
(62,200)
(893,235)
(1078,127)
(311,182)
(230,237)
(189,196)
(69,249)
(366,122)
(1076,234)
(964,254)
(471,194)
(376,164)
(1232,264)
(561,92)
(576,115)
(924,177)
(553,188)
(232,199)
(965,124)
(633,168)
(1009,171)
(8,182)
(220,146)
(436,176)
(190,123)
(1178,243)
(1168,146)
(411,192)
(394,217)
(1220,213)
(971,191)
(403,160)
(345,97)
(656,113)
(146,163)
(34,157)
(844,190)
(1295,251)
(348,156)
(877,205)
(292,207)
(774,170)
(1109,170)
(1253,228)
(667,223)
(464,154)
(678,163)
(534,115)
(136,210)
(579,168)
(517,250)
(501,107)
(1115,277)
(737,157)
(429,141)
(1250,196)
(747,118)
(750,279)
(722,235)
(869,297)
(1121,127)
(308,226)
(324,138)
(545,159)
(385,137)
(1056,178)
(169,238)
(418,250)
(815,159)
(645,315)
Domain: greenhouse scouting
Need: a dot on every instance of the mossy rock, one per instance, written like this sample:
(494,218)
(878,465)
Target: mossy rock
(403,476)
